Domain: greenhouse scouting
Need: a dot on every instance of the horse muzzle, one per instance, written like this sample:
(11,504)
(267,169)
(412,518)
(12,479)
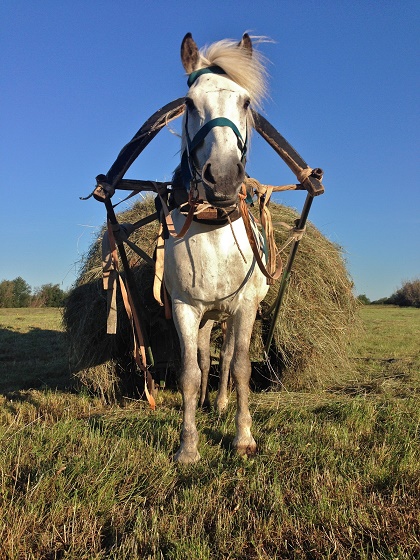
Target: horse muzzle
(222,186)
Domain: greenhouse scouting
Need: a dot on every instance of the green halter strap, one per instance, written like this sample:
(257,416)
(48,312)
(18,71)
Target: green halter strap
(209,70)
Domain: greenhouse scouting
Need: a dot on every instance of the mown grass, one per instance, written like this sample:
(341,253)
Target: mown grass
(337,474)
(33,352)
(387,354)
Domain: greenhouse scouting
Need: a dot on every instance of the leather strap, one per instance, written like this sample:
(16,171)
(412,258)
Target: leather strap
(271,276)
(188,221)
(159,266)
(139,350)
(208,70)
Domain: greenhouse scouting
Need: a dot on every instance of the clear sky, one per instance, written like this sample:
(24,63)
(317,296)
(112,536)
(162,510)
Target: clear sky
(79,78)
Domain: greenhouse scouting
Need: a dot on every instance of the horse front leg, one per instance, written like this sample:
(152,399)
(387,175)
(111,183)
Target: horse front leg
(187,321)
(243,323)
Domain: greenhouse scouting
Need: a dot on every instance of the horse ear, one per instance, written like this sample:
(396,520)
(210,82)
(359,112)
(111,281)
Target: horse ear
(246,43)
(189,54)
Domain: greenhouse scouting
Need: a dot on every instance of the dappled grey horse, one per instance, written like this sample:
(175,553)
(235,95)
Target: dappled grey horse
(211,272)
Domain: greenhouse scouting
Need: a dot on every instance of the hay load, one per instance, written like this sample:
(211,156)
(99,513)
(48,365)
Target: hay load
(316,322)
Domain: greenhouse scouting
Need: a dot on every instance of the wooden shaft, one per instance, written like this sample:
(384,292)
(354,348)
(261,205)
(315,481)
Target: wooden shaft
(275,308)
(130,280)
(288,154)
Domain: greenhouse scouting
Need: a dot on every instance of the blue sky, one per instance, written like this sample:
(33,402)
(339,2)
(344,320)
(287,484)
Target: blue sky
(79,78)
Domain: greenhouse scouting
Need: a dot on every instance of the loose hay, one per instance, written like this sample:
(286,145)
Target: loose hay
(316,323)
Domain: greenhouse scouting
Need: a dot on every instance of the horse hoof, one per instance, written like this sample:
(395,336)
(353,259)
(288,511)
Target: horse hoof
(185,458)
(205,406)
(221,406)
(248,449)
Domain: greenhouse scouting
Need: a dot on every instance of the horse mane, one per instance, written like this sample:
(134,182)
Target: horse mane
(247,71)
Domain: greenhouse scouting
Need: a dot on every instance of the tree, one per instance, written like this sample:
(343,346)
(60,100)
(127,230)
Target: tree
(21,292)
(6,293)
(408,295)
(49,295)
(363,299)
(381,301)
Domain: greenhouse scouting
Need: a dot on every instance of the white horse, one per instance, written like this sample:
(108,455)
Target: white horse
(211,272)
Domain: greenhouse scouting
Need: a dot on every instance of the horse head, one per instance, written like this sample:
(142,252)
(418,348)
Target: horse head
(218,118)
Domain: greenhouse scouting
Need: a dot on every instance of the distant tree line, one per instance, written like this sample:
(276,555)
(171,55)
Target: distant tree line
(18,293)
(407,296)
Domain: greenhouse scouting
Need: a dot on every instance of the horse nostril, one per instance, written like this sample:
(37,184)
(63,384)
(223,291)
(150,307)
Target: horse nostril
(208,176)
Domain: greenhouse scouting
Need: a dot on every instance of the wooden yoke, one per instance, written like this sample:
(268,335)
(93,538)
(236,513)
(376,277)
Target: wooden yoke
(311,181)
(308,179)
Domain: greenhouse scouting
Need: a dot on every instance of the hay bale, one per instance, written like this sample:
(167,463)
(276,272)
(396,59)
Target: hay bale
(318,317)
(102,362)
(316,322)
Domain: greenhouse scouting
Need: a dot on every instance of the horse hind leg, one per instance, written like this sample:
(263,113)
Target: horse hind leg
(204,362)
(225,361)
(226,354)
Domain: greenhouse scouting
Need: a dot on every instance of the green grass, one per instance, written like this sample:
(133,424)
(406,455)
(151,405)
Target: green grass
(337,474)
(33,352)
(387,355)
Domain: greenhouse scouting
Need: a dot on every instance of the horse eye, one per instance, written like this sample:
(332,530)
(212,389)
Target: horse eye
(189,104)
(247,103)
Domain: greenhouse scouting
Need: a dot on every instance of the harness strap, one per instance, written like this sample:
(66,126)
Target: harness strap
(158,280)
(138,340)
(187,163)
(188,221)
(109,278)
(268,232)
(205,129)
(271,276)
(264,192)
(159,266)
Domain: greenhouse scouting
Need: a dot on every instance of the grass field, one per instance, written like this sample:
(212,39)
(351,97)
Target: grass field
(32,349)
(337,474)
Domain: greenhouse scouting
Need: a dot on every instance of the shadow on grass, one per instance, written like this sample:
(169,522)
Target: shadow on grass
(217,437)
(33,360)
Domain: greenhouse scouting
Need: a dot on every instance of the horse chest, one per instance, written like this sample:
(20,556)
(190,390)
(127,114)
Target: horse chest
(207,266)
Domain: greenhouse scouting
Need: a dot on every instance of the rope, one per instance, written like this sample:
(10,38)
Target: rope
(263,193)
(253,185)
(295,234)
(304,174)
(272,257)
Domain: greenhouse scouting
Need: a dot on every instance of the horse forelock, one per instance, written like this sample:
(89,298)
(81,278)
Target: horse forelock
(247,71)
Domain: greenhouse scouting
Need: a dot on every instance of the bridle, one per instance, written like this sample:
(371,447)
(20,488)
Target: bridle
(191,174)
